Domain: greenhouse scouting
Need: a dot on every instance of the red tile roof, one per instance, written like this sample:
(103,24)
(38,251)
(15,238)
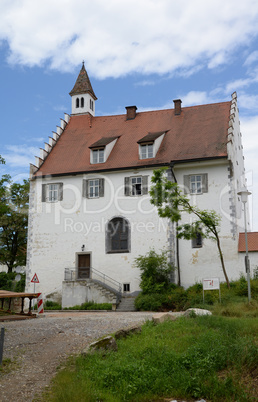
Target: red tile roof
(199,132)
(252,241)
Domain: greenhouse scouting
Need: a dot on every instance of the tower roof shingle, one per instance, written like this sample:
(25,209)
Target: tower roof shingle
(83,84)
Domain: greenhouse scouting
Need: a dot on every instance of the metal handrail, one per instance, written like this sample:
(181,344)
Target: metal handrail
(112,284)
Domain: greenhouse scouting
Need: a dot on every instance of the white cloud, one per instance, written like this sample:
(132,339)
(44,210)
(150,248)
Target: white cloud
(249,129)
(120,37)
(195,98)
(252,58)
(19,155)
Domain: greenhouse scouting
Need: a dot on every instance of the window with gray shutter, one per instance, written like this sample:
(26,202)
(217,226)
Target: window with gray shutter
(136,185)
(127,186)
(196,183)
(93,188)
(52,192)
(144,185)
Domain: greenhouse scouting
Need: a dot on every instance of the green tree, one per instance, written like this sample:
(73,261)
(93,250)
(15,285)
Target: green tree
(14,199)
(155,271)
(171,203)
(2,161)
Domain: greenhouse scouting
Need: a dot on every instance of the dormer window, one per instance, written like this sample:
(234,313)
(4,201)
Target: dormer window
(146,151)
(101,149)
(98,155)
(149,145)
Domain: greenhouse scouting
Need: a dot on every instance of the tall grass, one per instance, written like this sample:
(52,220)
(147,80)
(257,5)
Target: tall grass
(204,357)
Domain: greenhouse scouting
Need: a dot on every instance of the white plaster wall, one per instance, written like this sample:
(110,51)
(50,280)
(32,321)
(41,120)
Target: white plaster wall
(199,263)
(58,230)
(86,108)
(76,293)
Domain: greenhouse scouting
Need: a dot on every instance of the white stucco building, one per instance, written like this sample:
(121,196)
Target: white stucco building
(90,214)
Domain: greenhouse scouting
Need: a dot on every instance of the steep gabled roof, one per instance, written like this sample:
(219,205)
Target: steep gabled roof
(252,241)
(83,84)
(199,132)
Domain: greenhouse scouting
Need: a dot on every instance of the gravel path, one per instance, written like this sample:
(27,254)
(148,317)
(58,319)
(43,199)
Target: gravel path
(37,346)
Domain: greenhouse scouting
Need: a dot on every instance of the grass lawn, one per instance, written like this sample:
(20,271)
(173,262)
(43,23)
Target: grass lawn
(210,357)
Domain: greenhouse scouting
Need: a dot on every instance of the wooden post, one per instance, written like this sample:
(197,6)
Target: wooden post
(1,344)
(9,308)
(29,313)
(22,306)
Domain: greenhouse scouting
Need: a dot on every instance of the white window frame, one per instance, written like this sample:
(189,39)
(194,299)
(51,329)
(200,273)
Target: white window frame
(195,182)
(148,149)
(52,192)
(135,182)
(98,155)
(94,185)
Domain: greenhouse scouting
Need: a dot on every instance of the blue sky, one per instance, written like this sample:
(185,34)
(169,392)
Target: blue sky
(144,53)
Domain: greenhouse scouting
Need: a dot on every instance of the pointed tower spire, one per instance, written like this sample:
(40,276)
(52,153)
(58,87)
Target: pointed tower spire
(83,96)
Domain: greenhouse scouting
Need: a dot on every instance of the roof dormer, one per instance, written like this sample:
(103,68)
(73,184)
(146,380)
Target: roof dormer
(83,96)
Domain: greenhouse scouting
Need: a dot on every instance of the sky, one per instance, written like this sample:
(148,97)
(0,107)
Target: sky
(144,53)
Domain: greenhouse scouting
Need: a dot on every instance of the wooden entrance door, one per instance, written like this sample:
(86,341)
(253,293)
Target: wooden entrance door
(83,266)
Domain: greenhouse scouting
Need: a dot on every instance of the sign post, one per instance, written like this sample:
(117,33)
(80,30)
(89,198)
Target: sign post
(34,280)
(1,344)
(211,284)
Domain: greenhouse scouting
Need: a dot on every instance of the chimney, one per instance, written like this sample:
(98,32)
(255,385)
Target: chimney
(130,112)
(177,106)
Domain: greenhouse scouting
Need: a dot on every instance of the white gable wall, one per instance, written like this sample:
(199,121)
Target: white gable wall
(58,230)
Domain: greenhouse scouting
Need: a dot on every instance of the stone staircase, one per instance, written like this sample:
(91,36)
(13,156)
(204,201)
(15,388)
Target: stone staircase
(108,294)
(126,304)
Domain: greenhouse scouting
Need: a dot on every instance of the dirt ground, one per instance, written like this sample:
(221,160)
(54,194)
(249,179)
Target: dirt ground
(33,349)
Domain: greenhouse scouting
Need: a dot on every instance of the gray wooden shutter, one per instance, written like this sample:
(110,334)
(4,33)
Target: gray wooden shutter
(85,188)
(60,191)
(144,185)
(186,184)
(43,194)
(101,187)
(127,185)
(205,183)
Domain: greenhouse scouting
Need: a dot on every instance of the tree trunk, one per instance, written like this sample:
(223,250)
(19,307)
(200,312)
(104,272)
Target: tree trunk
(222,260)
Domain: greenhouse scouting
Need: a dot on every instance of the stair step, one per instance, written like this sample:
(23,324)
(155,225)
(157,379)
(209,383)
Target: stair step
(126,304)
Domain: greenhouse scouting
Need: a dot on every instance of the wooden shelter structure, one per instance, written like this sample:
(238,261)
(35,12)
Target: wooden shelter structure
(5,294)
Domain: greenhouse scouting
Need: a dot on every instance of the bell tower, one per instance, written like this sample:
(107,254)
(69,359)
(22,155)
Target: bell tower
(83,96)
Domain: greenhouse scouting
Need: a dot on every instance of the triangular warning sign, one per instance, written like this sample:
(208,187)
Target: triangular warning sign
(35,279)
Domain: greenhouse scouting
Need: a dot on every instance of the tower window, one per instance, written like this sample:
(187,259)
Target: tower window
(82,102)
(77,102)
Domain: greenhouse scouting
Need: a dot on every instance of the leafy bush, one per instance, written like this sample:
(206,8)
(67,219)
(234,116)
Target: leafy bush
(176,298)
(50,305)
(150,302)
(155,271)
